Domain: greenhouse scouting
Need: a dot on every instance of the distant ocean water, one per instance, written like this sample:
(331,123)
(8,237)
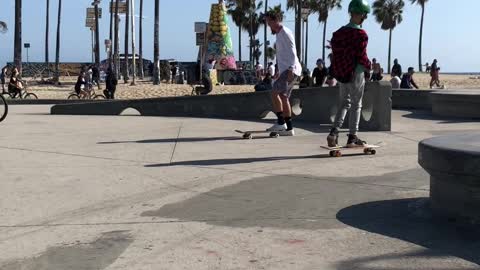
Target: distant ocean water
(461,73)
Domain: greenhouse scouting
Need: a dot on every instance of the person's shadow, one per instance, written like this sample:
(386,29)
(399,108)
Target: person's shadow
(411,220)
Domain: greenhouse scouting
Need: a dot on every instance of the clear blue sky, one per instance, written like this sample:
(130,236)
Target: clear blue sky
(449,33)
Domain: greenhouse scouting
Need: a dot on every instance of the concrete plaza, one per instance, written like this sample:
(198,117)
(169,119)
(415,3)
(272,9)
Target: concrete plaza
(127,192)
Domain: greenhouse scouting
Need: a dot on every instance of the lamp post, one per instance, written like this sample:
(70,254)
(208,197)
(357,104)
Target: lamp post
(95,4)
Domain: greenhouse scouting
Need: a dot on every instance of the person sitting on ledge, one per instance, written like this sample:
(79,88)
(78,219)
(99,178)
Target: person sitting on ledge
(407,80)
(305,82)
(265,85)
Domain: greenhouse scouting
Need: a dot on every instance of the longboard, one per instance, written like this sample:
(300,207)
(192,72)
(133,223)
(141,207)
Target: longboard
(249,134)
(368,149)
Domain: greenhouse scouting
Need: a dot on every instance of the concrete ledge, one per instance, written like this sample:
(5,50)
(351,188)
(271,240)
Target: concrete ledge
(49,101)
(411,99)
(453,163)
(317,105)
(464,104)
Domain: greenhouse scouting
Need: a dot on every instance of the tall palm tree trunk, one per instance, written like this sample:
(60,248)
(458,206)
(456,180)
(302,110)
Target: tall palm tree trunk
(298,23)
(111,35)
(306,43)
(97,37)
(390,51)
(140,45)
(116,42)
(17,51)
(47,27)
(134,64)
(265,38)
(240,43)
(57,50)
(324,39)
(127,24)
(420,67)
(156,44)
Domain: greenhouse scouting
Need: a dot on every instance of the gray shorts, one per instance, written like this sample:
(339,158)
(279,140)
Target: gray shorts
(282,86)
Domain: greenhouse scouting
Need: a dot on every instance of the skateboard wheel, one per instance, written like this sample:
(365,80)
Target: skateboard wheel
(274,135)
(332,153)
(373,152)
(338,154)
(366,151)
(250,136)
(247,136)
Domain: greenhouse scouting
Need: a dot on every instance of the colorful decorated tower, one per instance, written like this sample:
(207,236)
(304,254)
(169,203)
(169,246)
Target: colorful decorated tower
(220,47)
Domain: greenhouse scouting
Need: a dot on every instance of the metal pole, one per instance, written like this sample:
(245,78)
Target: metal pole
(302,28)
(127,26)
(93,45)
(265,39)
(132,13)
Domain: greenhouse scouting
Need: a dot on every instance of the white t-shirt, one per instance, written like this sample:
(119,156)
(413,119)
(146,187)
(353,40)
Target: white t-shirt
(271,70)
(287,52)
(395,81)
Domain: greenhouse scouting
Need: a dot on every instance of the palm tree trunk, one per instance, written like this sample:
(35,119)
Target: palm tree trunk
(127,24)
(97,37)
(390,51)
(298,23)
(117,42)
(240,43)
(111,35)
(306,43)
(57,49)
(156,45)
(265,39)
(140,49)
(17,51)
(420,67)
(46,35)
(324,39)
(134,64)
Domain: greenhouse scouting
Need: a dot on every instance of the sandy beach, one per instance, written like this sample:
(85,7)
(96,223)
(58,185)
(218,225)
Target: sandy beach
(145,89)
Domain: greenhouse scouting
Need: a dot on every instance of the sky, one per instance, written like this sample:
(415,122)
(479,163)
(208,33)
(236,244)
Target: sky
(449,35)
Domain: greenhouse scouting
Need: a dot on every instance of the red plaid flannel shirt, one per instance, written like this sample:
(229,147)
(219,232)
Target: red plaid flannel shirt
(349,47)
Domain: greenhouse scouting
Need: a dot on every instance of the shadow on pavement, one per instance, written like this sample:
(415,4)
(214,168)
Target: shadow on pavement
(98,254)
(231,161)
(427,115)
(411,220)
(286,201)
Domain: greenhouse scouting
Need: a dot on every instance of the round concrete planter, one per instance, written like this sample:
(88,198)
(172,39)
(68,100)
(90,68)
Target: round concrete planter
(464,104)
(453,163)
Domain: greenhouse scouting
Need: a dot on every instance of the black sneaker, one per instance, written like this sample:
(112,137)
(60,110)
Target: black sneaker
(332,139)
(354,141)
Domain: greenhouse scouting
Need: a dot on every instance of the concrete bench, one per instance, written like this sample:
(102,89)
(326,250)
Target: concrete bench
(453,163)
(464,104)
(316,105)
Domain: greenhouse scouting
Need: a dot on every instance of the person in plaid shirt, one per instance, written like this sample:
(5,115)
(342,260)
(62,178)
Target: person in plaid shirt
(351,66)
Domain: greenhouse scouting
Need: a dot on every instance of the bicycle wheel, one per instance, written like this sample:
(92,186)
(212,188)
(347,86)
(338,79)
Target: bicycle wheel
(73,96)
(3,108)
(99,97)
(30,96)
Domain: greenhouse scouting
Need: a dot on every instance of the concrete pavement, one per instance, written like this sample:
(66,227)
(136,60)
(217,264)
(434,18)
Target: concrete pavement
(98,192)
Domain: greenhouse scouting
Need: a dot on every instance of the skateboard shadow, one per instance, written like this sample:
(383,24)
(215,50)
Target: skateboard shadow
(231,161)
(191,139)
(411,220)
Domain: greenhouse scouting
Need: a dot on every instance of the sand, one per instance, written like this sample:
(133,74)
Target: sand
(145,89)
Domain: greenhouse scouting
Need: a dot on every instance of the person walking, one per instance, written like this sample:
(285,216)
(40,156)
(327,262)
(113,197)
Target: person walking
(289,68)
(434,74)
(111,82)
(96,76)
(351,67)
(3,75)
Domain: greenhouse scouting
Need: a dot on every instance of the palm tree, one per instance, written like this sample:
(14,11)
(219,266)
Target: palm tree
(46,35)
(422,5)
(140,49)
(57,50)
(388,13)
(17,51)
(127,29)
(156,46)
(323,8)
(252,24)
(116,45)
(237,11)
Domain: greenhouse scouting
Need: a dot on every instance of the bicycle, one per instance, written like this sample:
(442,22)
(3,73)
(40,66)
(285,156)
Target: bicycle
(3,108)
(88,95)
(24,94)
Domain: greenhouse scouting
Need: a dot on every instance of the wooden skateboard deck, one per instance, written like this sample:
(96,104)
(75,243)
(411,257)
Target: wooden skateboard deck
(249,134)
(368,149)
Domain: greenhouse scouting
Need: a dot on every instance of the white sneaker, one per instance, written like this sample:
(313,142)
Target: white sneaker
(277,128)
(287,133)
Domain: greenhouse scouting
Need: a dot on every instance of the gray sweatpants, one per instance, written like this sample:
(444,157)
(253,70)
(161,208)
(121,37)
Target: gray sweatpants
(352,95)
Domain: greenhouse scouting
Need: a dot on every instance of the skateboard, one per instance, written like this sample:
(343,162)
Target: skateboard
(249,134)
(368,149)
